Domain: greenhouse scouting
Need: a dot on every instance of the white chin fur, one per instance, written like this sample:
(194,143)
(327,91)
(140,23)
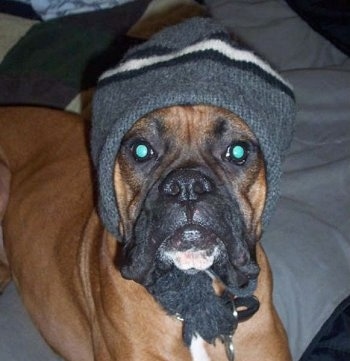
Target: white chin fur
(192,259)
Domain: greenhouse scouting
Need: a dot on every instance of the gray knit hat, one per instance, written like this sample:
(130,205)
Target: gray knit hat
(195,62)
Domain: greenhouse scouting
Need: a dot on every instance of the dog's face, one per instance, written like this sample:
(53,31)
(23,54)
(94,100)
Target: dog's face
(190,183)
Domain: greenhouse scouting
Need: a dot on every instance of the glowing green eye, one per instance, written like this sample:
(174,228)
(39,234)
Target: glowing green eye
(142,151)
(237,152)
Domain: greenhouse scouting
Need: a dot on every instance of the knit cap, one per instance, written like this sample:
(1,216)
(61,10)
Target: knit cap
(192,63)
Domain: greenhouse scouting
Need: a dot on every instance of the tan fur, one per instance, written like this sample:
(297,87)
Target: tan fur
(63,261)
(4,195)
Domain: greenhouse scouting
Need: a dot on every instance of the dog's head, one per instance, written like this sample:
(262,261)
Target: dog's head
(191,190)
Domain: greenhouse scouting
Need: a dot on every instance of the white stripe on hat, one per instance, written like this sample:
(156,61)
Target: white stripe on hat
(212,44)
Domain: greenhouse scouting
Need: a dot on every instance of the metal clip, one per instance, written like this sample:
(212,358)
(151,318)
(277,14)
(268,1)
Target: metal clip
(227,339)
(230,352)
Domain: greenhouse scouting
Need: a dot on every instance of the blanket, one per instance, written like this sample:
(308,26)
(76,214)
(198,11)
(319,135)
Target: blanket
(50,9)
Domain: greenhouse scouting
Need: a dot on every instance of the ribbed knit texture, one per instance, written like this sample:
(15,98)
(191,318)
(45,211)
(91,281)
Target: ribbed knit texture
(195,62)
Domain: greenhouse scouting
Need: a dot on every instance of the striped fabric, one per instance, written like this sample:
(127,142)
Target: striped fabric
(212,48)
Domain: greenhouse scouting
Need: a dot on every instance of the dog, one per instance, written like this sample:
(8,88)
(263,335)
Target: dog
(71,273)
(136,237)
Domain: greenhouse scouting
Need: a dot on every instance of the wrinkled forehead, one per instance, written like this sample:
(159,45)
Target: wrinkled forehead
(185,122)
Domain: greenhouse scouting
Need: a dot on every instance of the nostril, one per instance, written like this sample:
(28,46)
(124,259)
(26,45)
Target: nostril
(170,187)
(173,189)
(199,188)
(202,185)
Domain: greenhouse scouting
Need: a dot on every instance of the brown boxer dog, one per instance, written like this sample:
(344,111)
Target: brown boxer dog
(67,266)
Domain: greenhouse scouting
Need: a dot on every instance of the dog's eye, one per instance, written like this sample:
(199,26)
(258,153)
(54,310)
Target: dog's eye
(142,151)
(237,152)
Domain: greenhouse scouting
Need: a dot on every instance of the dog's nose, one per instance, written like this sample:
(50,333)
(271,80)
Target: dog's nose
(186,185)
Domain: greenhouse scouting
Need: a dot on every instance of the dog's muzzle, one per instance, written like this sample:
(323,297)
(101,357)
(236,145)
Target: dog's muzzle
(193,246)
(193,222)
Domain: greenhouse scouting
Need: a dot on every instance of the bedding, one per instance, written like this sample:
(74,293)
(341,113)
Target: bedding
(18,8)
(308,240)
(50,9)
(90,41)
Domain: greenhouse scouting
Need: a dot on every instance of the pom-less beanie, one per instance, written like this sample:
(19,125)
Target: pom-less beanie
(195,62)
